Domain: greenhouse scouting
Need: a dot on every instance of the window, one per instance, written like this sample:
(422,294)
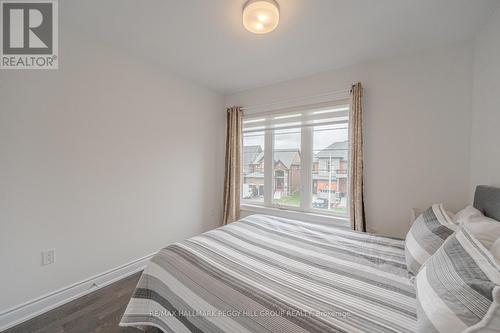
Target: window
(286,167)
(297,160)
(329,177)
(253,167)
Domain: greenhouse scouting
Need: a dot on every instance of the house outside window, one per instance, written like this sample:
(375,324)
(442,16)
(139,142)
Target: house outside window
(297,160)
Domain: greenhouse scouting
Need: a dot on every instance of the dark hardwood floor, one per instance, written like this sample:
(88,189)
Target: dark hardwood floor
(98,312)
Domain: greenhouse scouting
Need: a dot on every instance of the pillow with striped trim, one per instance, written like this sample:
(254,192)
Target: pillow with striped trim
(427,234)
(458,288)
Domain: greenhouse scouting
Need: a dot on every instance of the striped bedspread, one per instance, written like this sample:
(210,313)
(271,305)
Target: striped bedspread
(269,274)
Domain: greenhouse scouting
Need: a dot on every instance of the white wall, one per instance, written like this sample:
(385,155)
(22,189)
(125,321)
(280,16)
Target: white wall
(485,153)
(106,160)
(417,129)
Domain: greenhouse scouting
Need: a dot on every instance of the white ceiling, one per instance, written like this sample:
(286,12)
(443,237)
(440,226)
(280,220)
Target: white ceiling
(204,40)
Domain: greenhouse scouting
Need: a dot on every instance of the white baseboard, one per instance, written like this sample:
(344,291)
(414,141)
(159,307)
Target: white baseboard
(23,312)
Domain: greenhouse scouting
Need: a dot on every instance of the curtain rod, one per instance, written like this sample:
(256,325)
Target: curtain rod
(337,93)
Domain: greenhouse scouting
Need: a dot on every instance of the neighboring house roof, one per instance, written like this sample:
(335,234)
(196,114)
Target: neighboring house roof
(335,150)
(250,153)
(258,158)
(256,174)
(286,156)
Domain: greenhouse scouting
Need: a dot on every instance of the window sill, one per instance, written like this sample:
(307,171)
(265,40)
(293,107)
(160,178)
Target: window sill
(296,215)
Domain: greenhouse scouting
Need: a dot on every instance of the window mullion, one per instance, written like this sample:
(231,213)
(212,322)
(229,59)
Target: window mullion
(306,161)
(268,167)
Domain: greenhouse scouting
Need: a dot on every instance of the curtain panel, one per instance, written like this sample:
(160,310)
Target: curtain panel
(356,183)
(232,178)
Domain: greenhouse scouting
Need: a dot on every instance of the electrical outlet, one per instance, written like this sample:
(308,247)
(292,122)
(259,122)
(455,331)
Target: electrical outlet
(48,257)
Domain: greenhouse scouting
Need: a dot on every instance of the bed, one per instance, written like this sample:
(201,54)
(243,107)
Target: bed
(270,274)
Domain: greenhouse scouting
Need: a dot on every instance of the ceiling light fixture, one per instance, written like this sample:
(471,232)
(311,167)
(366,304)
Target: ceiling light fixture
(261,16)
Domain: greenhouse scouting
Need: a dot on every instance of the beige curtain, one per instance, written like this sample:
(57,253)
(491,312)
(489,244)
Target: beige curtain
(356,199)
(233,172)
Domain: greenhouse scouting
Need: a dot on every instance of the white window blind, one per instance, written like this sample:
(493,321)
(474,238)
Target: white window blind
(335,114)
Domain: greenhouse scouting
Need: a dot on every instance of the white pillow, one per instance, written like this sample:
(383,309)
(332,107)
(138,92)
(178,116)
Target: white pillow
(486,230)
(466,213)
(495,250)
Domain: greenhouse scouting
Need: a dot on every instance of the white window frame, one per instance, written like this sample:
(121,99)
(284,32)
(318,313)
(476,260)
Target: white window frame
(305,211)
